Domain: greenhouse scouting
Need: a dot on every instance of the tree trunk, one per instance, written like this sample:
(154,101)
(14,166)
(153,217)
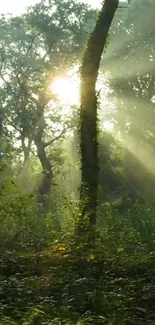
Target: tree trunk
(88,114)
(23,172)
(26,152)
(45,186)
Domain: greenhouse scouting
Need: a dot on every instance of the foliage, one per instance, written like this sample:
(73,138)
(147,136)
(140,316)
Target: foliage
(45,277)
(114,282)
(35,49)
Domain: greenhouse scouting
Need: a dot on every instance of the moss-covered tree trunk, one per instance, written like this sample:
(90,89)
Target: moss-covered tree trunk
(88,114)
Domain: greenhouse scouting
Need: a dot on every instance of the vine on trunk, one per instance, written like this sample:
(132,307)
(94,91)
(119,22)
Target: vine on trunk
(88,116)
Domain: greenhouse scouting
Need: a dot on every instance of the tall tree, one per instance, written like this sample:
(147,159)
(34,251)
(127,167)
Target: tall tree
(88,113)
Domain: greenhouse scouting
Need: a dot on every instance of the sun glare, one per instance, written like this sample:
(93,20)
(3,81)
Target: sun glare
(67,89)
(108,126)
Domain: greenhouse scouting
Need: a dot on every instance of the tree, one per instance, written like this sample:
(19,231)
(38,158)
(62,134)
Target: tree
(35,49)
(88,113)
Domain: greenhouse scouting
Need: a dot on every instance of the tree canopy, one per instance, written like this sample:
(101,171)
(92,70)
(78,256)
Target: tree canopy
(77,175)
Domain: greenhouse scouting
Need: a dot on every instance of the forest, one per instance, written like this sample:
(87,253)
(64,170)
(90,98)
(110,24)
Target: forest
(77,164)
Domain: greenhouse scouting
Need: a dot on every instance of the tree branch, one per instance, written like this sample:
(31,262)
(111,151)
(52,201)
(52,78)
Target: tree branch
(55,139)
(32,42)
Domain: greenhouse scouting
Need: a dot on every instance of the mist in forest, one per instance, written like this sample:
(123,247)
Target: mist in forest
(60,264)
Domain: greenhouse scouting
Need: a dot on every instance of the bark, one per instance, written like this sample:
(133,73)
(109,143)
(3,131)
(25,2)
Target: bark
(45,186)
(26,151)
(23,172)
(88,112)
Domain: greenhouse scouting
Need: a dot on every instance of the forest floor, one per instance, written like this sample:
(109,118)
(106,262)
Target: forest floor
(62,286)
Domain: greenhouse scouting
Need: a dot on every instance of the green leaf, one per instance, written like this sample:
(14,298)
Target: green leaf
(120,250)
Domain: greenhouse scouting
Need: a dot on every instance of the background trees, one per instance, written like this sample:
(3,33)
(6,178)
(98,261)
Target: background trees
(35,49)
(46,277)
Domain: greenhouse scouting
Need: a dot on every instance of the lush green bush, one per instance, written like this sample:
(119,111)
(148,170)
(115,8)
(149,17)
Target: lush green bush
(114,282)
